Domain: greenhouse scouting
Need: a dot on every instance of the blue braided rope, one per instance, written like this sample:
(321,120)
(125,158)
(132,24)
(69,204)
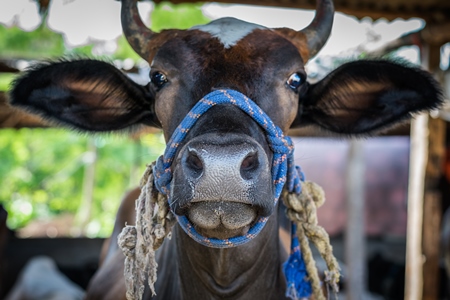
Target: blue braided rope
(282,166)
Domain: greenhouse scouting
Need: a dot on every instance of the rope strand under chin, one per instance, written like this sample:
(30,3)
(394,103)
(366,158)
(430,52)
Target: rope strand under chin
(302,211)
(154,222)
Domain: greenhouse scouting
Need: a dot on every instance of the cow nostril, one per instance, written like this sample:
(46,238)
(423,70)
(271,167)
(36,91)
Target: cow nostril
(194,164)
(249,165)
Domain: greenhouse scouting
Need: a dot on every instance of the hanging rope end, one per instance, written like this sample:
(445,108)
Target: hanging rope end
(332,280)
(296,275)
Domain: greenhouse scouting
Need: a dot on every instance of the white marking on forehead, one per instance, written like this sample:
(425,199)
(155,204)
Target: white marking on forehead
(229,30)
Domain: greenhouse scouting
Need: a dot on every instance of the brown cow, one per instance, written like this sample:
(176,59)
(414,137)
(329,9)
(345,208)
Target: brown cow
(222,170)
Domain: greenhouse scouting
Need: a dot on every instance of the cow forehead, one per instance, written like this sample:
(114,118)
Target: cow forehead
(229,30)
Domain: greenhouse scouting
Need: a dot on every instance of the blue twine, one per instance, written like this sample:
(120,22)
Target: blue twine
(282,167)
(294,270)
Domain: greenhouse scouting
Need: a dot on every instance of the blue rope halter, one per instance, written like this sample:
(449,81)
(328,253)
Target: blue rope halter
(282,167)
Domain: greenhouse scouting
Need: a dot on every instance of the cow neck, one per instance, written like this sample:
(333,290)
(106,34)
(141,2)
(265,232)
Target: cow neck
(250,271)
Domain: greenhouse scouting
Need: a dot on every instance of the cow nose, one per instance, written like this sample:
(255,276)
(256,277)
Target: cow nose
(222,168)
(214,162)
(193,164)
(250,165)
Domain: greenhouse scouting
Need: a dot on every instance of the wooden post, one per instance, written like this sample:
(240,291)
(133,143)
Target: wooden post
(427,153)
(417,165)
(432,211)
(355,250)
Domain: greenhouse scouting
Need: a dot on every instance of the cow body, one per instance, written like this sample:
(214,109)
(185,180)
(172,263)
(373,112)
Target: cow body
(222,170)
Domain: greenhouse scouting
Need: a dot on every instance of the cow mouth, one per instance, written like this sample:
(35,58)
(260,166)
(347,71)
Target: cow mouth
(221,219)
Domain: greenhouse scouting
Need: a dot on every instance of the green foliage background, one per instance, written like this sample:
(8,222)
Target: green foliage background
(42,170)
(41,173)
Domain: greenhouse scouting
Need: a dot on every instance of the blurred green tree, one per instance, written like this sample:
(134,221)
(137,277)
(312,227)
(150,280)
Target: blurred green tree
(41,43)
(42,170)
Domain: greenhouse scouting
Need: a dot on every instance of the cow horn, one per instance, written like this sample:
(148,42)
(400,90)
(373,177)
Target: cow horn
(318,31)
(137,34)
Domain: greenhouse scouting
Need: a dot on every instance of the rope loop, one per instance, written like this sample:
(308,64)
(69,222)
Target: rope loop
(281,146)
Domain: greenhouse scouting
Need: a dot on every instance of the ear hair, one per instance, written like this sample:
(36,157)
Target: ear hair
(364,97)
(87,94)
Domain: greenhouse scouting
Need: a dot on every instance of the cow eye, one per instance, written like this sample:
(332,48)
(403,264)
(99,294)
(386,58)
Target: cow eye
(158,79)
(295,81)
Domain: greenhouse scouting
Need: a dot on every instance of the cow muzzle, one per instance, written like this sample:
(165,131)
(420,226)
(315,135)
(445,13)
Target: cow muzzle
(222,183)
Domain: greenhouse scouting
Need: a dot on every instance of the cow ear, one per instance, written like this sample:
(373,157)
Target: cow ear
(86,94)
(366,96)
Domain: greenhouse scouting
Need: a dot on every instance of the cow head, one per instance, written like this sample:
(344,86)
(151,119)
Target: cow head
(222,179)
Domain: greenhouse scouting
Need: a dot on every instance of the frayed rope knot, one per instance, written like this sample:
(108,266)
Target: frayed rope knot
(302,211)
(154,222)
